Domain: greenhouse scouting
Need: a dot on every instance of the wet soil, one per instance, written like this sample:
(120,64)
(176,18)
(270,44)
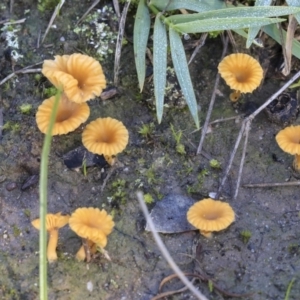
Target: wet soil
(263,265)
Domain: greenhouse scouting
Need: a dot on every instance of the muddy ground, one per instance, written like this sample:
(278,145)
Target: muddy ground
(264,265)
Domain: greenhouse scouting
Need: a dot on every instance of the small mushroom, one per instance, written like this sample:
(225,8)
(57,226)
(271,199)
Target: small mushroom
(69,115)
(53,223)
(80,76)
(93,225)
(210,215)
(105,136)
(288,139)
(241,72)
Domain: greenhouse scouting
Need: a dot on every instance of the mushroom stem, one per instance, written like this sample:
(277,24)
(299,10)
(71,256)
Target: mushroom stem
(80,255)
(52,244)
(235,96)
(296,162)
(207,234)
(88,247)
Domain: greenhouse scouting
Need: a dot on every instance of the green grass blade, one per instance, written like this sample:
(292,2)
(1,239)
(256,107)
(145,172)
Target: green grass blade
(223,24)
(294,3)
(194,5)
(235,13)
(253,31)
(183,74)
(43,202)
(140,38)
(273,32)
(288,291)
(160,45)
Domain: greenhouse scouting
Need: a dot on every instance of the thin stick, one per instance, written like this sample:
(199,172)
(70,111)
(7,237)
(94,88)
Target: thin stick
(201,42)
(15,22)
(212,102)
(55,13)
(88,11)
(119,42)
(117,8)
(247,129)
(1,122)
(165,252)
(23,71)
(11,6)
(263,185)
(249,119)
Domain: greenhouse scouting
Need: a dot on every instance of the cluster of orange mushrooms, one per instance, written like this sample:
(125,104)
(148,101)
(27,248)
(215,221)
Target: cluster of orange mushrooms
(243,74)
(91,224)
(81,79)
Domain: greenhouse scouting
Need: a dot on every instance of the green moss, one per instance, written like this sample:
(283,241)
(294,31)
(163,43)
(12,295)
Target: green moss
(27,213)
(16,231)
(25,108)
(215,164)
(148,199)
(245,235)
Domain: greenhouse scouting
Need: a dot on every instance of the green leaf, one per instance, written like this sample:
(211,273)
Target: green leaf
(253,31)
(140,39)
(182,73)
(223,24)
(160,45)
(195,5)
(273,32)
(236,12)
(294,3)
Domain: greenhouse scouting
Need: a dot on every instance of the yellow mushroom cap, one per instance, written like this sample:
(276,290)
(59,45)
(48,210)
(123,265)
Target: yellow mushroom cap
(241,72)
(69,115)
(80,76)
(288,139)
(92,224)
(105,136)
(210,215)
(53,221)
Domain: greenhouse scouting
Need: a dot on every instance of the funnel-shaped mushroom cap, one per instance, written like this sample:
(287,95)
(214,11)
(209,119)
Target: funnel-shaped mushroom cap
(210,215)
(53,221)
(69,115)
(92,224)
(105,136)
(80,76)
(288,139)
(241,72)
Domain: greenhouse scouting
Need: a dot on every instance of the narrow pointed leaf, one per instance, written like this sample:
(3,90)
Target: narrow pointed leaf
(253,31)
(160,45)
(294,3)
(237,13)
(183,74)
(273,32)
(223,24)
(194,5)
(140,39)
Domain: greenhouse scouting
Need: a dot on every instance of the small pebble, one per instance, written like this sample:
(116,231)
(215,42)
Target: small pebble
(11,186)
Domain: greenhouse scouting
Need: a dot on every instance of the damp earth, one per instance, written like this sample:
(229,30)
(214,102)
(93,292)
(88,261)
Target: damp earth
(257,255)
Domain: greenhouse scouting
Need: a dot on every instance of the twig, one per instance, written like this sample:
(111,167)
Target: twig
(205,279)
(22,71)
(88,11)
(200,43)
(165,252)
(119,42)
(1,122)
(212,102)
(263,185)
(249,119)
(14,22)
(11,6)
(55,13)
(117,8)
(247,129)
(170,293)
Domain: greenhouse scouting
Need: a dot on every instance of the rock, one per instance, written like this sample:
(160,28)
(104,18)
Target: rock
(169,214)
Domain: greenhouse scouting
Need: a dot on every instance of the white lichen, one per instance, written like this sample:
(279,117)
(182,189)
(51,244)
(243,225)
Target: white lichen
(97,31)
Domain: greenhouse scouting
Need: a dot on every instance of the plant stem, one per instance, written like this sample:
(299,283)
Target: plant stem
(43,201)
